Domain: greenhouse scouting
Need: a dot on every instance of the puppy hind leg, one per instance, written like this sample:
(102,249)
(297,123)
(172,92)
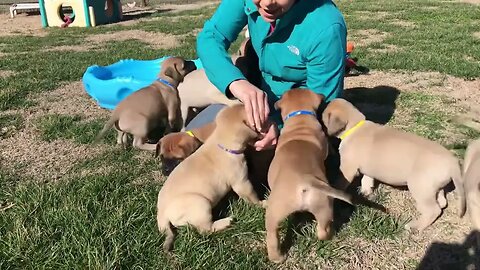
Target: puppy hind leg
(275,214)
(426,201)
(442,201)
(245,190)
(140,143)
(367,185)
(200,216)
(324,217)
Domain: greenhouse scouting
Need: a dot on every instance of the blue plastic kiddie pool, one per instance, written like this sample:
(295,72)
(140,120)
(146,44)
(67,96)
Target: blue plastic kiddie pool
(108,85)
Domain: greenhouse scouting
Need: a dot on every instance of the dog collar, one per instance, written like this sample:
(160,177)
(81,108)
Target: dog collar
(235,152)
(348,132)
(190,133)
(299,112)
(165,82)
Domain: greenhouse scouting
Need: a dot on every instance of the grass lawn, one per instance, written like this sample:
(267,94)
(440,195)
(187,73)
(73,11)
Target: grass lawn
(68,204)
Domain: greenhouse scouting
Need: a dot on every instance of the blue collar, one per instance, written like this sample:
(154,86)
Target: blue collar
(165,82)
(299,112)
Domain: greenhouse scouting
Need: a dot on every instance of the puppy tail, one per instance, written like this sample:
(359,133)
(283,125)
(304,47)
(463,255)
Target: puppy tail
(458,182)
(106,127)
(332,192)
(164,226)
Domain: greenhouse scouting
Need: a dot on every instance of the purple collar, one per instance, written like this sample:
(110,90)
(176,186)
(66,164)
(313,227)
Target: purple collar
(235,152)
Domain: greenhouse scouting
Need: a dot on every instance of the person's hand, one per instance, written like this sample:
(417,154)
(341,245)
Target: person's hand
(255,102)
(269,138)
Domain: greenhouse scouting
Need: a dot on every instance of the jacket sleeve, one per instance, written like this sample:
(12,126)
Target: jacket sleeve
(215,39)
(326,62)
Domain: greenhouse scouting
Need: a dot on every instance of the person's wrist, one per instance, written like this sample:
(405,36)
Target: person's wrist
(236,86)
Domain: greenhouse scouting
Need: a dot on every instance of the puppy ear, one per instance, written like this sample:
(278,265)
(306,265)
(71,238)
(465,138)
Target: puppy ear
(172,72)
(334,124)
(157,149)
(277,105)
(184,67)
(317,100)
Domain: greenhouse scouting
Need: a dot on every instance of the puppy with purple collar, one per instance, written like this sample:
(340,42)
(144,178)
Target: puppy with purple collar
(198,183)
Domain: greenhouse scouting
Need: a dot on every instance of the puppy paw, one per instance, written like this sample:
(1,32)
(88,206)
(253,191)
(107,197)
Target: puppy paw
(413,227)
(263,203)
(366,191)
(278,258)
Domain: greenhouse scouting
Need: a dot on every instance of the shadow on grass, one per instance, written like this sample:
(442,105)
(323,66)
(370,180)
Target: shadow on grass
(377,103)
(453,256)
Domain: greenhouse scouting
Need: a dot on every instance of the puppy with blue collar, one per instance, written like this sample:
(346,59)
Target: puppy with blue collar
(146,109)
(297,175)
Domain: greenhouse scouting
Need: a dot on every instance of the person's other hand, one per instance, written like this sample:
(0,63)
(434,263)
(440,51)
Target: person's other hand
(255,102)
(269,138)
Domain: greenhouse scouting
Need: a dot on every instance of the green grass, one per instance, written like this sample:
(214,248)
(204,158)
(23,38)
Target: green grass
(440,40)
(106,220)
(56,126)
(9,124)
(101,215)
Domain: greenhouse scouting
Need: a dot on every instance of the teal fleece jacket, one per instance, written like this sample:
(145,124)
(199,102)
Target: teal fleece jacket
(306,49)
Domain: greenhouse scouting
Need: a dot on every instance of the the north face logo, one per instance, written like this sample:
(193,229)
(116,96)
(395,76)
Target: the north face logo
(294,49)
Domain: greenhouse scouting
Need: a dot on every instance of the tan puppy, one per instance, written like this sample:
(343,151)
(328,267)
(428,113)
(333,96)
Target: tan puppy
(297,177)
(198,92)
(396,158)
(198,183)
(145,109)
(175,147)
(471,169)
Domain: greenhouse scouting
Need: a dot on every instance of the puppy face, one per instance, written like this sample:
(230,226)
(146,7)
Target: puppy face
(336,116)
(299,99)
(173,148)
(177,67)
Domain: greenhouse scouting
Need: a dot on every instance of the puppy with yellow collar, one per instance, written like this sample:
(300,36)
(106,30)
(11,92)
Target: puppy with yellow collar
(396,158)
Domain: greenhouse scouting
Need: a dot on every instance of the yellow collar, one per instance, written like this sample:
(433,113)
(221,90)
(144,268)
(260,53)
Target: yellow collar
(348,132)
(190,133)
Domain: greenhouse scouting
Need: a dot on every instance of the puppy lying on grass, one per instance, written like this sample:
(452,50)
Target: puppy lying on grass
(396,158)
(297,176)
(146,109)
(198,183)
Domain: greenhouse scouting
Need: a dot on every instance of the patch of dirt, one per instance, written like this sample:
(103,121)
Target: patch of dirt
(134,15)
(69,99)
(71,48)
(473,2)
(156,40)
(370,15)
(477,35)
(388,48)
(465,93)
(405,24)
(369,36)
(6,73)
(22,24)
(42,160)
